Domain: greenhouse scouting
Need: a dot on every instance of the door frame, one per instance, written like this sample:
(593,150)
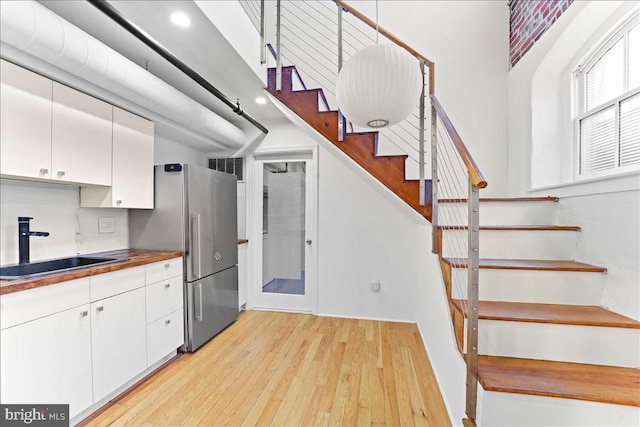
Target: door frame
(255,164)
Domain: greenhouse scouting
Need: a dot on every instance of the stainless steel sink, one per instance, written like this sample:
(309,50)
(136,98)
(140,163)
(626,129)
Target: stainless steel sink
(24,271)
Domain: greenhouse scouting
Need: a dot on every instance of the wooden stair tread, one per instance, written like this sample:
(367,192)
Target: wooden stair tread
(528,264)
(504,199)
(596,383)
(584,315)
(515,227)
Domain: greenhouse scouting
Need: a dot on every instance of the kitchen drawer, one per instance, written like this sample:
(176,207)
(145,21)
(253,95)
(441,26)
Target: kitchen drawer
(164,270)
(164,336)
(24,306)
(163,298)
(116,282)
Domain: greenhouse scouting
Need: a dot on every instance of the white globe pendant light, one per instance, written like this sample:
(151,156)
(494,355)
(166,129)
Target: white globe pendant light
(379,86)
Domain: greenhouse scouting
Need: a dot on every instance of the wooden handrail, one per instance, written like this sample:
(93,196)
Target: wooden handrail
(393,38)
(474,172)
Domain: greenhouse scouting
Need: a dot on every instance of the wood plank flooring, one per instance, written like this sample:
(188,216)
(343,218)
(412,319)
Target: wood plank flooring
(291,369)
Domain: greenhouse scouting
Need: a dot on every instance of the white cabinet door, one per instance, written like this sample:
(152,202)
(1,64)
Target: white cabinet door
(164,336)
(81,137)
(118,341)
(48,361)
(132,160)
(25,122)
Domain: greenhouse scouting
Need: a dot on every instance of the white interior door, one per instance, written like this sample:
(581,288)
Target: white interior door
(285,218)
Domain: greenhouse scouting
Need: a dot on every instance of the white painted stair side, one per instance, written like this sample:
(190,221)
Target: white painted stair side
(499,409)
(535,286)
(567,343)
(514,244)
(501,213)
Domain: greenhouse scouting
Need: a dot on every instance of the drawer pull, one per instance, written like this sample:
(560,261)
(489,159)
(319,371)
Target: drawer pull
(44,171)
(84,313)
(61,174)
(101,308)
(167,286)
(166,322)
(167,265)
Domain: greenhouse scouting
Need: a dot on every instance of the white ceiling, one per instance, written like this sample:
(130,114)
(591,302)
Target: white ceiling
(201,47)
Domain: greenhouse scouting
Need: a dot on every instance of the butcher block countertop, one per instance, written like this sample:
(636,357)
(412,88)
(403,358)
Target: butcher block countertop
(135,257)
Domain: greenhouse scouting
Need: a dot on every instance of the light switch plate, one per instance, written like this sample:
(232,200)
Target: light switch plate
(106,225)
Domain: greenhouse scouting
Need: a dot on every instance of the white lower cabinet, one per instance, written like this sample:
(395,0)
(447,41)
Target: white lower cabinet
(118,341)
(164,335)
(48,361)
(78,342)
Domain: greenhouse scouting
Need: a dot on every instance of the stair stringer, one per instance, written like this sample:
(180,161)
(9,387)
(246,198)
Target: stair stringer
(346,160)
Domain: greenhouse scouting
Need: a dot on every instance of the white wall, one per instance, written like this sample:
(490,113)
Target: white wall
(361,237)
(541,150)
(469,43)
(168,151)
(56,209)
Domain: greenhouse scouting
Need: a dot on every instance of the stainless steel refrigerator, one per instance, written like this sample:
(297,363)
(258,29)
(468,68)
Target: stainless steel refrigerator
(195,212)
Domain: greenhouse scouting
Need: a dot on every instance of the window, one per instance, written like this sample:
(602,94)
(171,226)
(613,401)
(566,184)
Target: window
(607,125)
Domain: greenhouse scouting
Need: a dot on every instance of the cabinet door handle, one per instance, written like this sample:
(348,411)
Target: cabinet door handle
(101,308)
(118,202)
(167,265)
(166,322)
(44,171)
(61,174)
(84,313)
(167,286)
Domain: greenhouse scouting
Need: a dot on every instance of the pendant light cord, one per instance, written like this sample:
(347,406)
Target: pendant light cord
(377,23)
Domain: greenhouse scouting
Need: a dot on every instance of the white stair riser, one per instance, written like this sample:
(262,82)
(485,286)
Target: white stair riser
(535,286)
(567,343)
(500,213)
(514,244)
(518,410)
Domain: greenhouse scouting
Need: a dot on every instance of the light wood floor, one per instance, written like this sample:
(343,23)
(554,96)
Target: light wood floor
(292,369)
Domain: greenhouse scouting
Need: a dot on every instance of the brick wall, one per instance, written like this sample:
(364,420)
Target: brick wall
(528,20)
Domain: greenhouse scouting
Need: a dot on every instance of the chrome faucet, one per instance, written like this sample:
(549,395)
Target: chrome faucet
(23,238)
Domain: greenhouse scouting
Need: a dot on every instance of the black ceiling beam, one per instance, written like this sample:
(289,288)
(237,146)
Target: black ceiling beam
(144,37)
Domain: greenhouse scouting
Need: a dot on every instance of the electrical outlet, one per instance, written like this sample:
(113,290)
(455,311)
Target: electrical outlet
(106,225)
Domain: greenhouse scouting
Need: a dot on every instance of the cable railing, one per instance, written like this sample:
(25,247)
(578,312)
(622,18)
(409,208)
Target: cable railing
(317,38)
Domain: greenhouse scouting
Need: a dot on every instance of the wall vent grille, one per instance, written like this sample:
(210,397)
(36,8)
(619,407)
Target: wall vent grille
(232,165)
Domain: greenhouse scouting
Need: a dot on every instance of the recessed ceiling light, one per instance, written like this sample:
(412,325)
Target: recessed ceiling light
(180,19)
(261,100)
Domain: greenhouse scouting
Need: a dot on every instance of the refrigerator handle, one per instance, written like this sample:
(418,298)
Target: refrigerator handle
(198,305)
(196,260)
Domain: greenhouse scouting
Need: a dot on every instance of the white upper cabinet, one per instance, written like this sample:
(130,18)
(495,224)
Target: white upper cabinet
(51,132)
(25,122)
(132,169)
(132,160)
(81,137)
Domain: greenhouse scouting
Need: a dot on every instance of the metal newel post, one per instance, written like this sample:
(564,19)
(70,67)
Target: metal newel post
(434,180)
(340,116)
(473,265)
(278,49)
(263,46)
(421,139)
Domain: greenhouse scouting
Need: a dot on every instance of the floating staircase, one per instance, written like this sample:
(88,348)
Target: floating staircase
(362,147)
(542,331)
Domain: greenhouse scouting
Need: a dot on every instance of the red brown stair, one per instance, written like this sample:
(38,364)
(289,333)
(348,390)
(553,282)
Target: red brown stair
(360,147)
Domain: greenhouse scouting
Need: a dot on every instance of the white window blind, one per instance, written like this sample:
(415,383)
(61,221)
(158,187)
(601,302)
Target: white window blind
(630,131)
(608,128)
